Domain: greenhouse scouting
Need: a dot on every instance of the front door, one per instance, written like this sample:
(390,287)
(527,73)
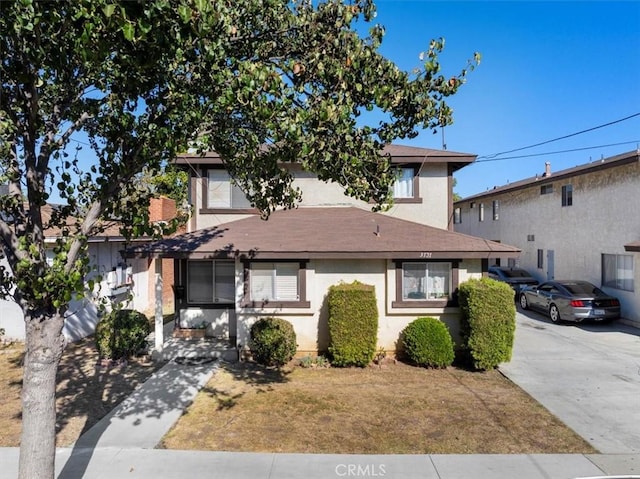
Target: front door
(550,265)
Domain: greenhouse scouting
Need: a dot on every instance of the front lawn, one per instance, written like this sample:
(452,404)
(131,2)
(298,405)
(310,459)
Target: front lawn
(396,409)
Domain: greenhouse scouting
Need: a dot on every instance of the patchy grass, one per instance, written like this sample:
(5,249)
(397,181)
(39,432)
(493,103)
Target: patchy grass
(396,409)
(86,390)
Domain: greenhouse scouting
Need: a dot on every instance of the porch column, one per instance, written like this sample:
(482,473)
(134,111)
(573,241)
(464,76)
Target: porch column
(159,323)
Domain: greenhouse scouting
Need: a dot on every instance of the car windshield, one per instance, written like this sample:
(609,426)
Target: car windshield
(516,273)
(582,288)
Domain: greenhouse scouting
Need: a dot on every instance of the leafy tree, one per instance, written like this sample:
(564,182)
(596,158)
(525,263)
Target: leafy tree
(258,81)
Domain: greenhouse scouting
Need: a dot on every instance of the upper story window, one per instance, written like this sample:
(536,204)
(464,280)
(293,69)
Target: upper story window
(405,188)
(457,216)
(222,193)
(481,212)
(546,189)
(567,195)
(496,210)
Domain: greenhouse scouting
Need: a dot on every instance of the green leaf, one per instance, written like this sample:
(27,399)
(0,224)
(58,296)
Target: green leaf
(108,10)
(129,31)
(185,13)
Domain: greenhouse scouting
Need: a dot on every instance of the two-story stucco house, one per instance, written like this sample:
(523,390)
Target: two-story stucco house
(233,267)
(578,223)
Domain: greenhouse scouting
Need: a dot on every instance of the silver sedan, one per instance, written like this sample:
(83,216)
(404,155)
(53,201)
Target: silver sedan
(570,300)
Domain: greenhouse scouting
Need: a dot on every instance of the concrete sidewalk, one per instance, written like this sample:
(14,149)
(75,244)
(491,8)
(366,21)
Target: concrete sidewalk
(109,463)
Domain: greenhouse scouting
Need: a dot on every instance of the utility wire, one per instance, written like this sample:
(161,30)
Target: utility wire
(556,152)
(488,157)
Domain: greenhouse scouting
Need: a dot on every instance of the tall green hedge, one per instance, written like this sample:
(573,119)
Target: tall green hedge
(488,322)
(353,324)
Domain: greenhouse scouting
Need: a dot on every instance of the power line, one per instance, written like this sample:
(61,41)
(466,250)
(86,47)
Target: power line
(556,152)
(492,156)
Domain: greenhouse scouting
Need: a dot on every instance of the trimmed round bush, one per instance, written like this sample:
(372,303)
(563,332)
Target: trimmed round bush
(273,341)
(121,334)
(427,342)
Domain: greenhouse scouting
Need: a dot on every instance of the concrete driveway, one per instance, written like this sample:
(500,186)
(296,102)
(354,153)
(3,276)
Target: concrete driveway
(588,375)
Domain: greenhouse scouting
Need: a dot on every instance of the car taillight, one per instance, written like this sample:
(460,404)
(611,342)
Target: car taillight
(576,303)
(615,302)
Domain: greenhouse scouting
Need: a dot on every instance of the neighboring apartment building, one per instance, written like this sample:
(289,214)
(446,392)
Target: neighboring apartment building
(578,223)
(233,267)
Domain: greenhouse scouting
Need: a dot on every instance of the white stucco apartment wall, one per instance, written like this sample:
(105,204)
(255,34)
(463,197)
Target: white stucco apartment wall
(433,187)
(311,323)
(603,217)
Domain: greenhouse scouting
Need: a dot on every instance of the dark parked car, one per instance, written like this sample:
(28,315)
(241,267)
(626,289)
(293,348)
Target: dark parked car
(517,278)
(570,300)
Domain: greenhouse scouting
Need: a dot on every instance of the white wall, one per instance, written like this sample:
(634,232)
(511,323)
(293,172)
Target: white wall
(82,315)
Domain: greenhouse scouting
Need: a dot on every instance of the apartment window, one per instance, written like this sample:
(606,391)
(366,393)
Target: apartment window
(222,193)
(406,185)
(274,282)
(426,281)
(540,259)
(617,271)
(210,281)
(546,189)
(567,195)
(457,216)
(481,212)
(496,210)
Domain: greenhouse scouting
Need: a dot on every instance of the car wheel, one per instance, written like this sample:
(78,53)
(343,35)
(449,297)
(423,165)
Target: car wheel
(554,314)
(523,301)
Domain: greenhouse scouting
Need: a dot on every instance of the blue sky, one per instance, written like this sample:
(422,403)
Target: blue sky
(549,69)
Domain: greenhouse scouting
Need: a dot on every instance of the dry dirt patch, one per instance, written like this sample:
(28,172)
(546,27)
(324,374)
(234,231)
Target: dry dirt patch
(86,390)
(397,409)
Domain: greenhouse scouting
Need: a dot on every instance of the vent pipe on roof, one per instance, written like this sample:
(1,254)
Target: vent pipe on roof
(547,169)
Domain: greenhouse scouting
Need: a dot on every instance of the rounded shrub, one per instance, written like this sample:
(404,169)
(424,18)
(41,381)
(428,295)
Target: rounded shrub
(273,341)
(427,342)
(121,333)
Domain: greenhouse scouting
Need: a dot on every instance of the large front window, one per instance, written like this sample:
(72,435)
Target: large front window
(210,282)
(426,281)
(274,282)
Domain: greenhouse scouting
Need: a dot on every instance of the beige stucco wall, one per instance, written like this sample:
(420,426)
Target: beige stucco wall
(311,323)
(603,218)
(433,189)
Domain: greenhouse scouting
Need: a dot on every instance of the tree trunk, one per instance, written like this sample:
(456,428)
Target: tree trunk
(44,344)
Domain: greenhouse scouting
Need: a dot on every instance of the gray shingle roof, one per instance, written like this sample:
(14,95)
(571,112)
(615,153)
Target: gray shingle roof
(339,232)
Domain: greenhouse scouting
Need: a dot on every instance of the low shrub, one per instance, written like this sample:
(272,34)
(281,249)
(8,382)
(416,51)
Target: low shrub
(488,322)
(273,341)
(353,324)
(121,334)
(427,342)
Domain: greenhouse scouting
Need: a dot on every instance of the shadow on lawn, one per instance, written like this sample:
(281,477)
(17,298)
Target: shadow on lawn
(262,377)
